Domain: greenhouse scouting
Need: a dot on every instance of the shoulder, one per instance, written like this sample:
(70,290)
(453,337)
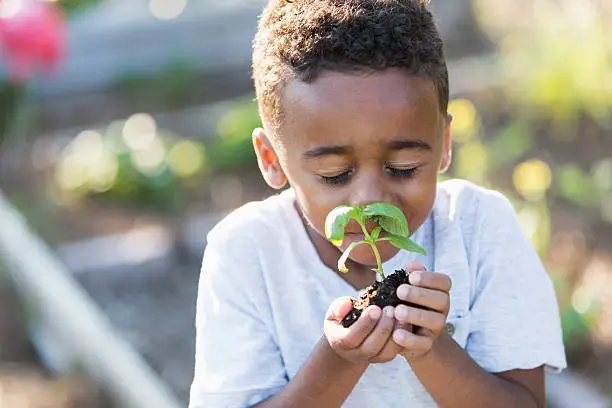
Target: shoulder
(470,216)
(237,246)
(465,202)
(252,221)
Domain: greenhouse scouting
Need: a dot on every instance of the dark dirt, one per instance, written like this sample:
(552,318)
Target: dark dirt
(381,294)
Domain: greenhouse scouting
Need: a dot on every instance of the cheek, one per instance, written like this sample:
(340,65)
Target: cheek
(418,201)
(316,204)
(315,200)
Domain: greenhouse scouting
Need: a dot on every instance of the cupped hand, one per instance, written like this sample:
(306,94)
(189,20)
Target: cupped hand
(430,291)
(369,339)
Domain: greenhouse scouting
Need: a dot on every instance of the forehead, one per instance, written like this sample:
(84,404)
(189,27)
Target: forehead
(352,107)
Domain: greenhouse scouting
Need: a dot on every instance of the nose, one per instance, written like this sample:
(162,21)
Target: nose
(368,188)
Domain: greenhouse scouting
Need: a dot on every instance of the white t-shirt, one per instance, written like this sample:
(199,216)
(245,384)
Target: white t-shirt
(264,292)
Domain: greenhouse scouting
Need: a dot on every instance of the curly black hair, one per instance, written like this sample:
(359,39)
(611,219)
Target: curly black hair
(298,39)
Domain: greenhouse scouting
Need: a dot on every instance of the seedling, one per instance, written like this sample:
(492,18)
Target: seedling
(388,217)
(390,225)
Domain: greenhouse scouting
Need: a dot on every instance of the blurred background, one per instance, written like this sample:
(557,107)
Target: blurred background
(125,135)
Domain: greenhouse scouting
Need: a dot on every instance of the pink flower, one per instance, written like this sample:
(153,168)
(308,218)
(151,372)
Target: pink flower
(31,39)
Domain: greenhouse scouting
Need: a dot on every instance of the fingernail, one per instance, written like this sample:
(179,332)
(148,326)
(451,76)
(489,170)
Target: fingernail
(399,336)
(374,313)
(415,277)
(401,313)
(403,291)
(389,311)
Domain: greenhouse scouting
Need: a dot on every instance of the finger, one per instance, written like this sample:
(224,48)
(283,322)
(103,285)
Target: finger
(432,299)
(428,319)
(412,342)
(352,337)
(391,348)
(415,266)
(339,308)
(431,280)
(381,334)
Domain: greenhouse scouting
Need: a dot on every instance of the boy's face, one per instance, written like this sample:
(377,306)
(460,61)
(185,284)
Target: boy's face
(357,139)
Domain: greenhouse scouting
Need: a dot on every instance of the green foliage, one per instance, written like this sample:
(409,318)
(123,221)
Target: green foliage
(388,217)
(510,144)
(555,61)
(104,164)
(337,220)
(172,85)
(130,163)
(233,147)
(10,96)
(405,243)
(76,6)
(158,189)
(576,186)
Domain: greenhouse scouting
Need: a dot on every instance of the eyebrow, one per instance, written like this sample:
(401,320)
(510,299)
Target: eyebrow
(326,151)
(412,144)
(321,151)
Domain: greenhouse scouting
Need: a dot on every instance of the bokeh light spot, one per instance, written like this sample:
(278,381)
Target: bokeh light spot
(582,300)
(151,159)
(167,9)
(472,162)
(602,174)
(186,158)
(465,120)
(139,131)
(532,179)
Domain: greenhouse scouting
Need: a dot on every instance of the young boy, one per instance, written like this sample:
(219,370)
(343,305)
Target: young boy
(353,96)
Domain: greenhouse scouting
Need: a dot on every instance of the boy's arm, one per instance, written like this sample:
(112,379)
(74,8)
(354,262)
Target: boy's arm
(337,362)
(455,380)
(325,380)
(447,371)
(514,322)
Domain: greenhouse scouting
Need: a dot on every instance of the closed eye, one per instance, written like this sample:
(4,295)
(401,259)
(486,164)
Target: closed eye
(342,178)
(395,172)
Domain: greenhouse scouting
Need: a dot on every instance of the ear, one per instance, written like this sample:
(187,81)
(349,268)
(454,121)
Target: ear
(447,153)
(267,160)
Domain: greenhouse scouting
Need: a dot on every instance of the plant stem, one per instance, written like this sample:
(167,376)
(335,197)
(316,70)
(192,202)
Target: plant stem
(378,261)
(369,240)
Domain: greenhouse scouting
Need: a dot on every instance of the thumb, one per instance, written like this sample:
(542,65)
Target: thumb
(339,308)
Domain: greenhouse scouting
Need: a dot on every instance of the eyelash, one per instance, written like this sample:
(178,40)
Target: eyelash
(339,179)
(402,172)
(343,178)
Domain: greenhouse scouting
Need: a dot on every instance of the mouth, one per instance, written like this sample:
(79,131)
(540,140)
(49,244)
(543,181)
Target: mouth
(353,229)
(360,236)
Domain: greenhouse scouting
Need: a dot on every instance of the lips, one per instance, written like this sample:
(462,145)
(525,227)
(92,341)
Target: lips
(383,234)
(353,228)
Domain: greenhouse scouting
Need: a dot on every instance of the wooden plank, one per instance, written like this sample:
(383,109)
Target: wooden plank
(63,308)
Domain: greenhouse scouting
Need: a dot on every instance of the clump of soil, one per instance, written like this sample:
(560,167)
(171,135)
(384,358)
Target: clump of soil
(381,294)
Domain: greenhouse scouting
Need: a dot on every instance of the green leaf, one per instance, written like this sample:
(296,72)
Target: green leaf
(375,233)
(393,226)
(405,243)
(389,217)
(336,222)
(342,261)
